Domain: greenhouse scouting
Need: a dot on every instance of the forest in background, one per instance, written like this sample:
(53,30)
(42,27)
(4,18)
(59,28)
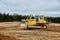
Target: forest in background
(15,17)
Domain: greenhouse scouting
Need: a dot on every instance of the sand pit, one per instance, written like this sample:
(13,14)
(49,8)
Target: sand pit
(11,29)
(9,24)
(4,37)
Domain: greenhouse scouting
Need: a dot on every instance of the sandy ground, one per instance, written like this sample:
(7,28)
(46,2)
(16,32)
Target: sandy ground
(4,37)
(12,29)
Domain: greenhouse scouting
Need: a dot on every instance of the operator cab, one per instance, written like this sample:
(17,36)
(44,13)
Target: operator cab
(39,17)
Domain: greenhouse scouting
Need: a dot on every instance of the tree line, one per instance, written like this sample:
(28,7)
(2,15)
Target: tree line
(53,19)
(7,18)
(15,17)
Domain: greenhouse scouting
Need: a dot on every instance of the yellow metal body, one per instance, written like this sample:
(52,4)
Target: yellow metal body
(31,21)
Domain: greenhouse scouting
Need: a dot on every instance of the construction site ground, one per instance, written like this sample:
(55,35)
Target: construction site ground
(12,31)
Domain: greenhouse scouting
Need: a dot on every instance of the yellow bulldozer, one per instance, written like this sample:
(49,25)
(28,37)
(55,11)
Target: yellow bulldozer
(37,22)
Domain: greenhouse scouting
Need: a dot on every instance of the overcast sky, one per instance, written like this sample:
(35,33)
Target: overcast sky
(46,7)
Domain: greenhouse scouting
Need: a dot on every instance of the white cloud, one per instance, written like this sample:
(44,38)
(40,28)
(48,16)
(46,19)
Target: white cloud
(30,6)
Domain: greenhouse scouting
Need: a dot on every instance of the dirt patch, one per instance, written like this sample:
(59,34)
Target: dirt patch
(3,37)
(54,27)
(12,30)
(9,24)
